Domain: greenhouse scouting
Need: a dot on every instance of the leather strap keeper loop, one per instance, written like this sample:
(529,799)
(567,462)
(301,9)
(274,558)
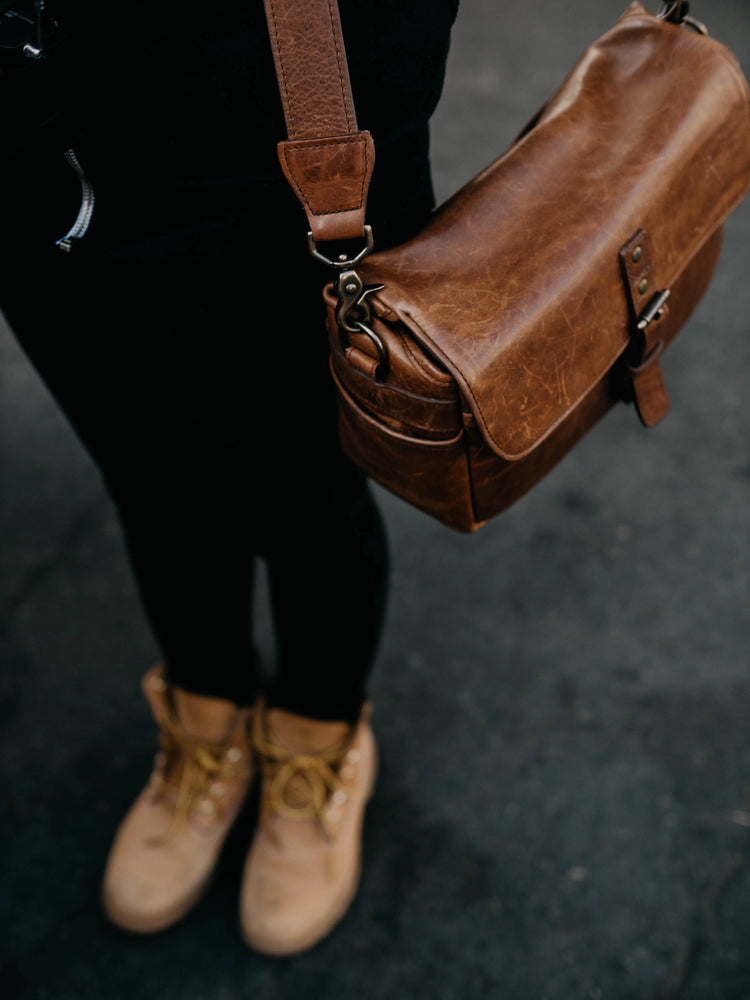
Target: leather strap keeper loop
(649,392)
(331,177)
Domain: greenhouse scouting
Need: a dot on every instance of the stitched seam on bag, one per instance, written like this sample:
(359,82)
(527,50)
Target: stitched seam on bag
(339,63)
(323,144)
(384,431)
(287,102)
(429,402)
(381,414)
(470,467)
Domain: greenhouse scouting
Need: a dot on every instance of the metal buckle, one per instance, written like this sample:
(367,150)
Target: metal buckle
(640,355)
(342,262)
(653,310)
(352,294)
(353,314)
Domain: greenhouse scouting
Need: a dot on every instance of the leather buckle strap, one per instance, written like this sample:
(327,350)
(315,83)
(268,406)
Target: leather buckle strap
(648,308)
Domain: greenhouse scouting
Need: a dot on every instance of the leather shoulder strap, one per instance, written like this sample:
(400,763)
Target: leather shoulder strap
(327,160)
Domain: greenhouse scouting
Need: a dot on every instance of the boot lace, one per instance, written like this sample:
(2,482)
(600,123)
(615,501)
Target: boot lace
(300,786)
(188,770)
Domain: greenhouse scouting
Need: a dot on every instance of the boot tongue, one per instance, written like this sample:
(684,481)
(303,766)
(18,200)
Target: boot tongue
(301,735)
(204,719)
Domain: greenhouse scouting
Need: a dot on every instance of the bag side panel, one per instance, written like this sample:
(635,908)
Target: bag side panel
(430,475)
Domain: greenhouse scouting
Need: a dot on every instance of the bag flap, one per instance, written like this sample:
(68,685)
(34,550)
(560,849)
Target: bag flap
(515,284)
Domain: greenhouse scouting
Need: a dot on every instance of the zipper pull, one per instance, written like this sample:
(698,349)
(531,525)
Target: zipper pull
(83,220)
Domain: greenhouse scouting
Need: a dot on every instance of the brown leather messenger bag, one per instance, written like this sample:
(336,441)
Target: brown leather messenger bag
(469,360)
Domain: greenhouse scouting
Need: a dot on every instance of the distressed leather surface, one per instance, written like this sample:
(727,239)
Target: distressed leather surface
(511,319)
(307,37)
(327,160)
(331,178)
(516,284)
(412,435)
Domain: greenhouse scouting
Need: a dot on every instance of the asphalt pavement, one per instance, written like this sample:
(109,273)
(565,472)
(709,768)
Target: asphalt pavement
(562,700)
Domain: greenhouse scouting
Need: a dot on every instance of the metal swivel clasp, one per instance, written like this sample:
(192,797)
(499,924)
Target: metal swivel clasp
(353,314)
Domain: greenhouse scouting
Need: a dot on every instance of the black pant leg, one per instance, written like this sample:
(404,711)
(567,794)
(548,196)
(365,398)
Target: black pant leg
(111,343)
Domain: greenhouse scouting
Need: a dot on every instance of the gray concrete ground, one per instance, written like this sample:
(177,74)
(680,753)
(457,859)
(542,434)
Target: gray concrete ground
(562,699)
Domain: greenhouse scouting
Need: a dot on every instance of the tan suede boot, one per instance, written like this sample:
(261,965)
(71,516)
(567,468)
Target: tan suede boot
(303,868)
(169,842)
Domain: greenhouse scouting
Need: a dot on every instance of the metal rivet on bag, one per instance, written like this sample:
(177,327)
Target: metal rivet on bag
(643,287)
(637,254)
(351,288)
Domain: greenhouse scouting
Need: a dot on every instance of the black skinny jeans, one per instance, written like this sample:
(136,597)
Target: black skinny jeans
(204,398)
(185,340)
